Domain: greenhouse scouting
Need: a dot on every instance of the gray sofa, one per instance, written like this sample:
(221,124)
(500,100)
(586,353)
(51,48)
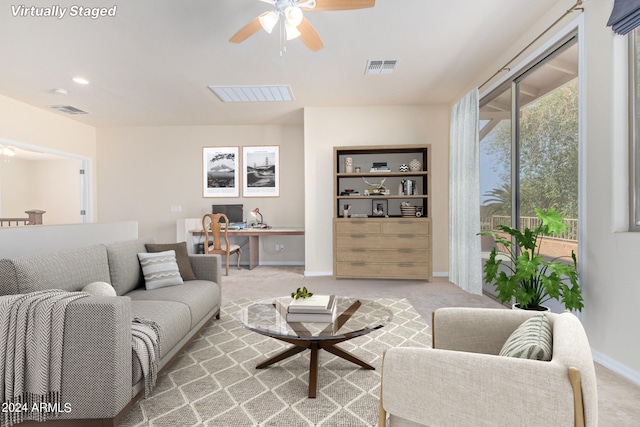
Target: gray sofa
(100,379)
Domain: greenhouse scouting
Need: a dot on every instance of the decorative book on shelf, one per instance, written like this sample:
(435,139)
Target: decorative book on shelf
(317,308)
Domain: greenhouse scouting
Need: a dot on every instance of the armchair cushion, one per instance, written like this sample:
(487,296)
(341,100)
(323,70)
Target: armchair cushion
(531,340)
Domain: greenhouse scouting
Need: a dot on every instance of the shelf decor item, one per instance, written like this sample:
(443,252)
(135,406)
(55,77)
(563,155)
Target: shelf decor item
(403,168)
(348,164)
(379,207)
(415,165)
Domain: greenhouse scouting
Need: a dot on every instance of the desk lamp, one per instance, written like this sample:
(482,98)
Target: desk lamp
(255,213)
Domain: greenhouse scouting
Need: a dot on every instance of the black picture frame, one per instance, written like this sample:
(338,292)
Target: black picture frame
(379,207)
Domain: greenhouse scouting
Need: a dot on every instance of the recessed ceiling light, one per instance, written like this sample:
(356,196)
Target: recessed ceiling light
(273,93)
(60,91)
(80,80)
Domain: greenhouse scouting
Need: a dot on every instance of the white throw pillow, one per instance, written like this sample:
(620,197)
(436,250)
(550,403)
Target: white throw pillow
(160,269)
(100,289)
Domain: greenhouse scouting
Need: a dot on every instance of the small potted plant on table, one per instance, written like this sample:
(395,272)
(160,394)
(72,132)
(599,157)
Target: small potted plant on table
(529,278)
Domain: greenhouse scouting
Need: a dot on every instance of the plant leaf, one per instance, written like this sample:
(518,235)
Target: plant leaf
(551,221)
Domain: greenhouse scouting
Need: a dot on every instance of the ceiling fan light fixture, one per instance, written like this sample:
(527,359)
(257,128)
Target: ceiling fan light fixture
(292,32)
(294,15)
(268,20)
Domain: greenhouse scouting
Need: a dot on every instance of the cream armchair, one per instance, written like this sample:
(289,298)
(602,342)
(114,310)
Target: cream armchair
(463,382)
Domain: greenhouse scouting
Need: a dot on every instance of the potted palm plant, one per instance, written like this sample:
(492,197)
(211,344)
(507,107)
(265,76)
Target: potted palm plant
(529,278)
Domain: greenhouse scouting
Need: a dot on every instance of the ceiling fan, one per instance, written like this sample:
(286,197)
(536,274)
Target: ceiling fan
(289,14)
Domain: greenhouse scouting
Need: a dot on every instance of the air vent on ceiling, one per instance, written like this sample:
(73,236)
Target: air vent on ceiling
(270,93)
(386,66)
(68,109)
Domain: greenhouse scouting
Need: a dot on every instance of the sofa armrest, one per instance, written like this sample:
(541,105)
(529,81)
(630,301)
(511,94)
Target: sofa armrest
(440,387)
(96,367)
(477,330)
(207,267)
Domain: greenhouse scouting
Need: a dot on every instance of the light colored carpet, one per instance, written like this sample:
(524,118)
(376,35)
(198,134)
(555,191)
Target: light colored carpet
(215,383)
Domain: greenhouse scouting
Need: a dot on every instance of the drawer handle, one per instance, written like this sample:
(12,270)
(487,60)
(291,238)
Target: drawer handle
(405,264)
(405,236)
(405,251)
(358,264)
(358,250)
(357,236)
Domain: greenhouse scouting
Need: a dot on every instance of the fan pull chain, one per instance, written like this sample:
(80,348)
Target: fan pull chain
(283,47)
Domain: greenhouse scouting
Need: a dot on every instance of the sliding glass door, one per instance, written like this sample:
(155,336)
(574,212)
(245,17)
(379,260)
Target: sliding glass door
(529,149)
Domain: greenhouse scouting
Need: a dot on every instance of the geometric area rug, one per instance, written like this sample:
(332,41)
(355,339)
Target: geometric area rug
(214,382)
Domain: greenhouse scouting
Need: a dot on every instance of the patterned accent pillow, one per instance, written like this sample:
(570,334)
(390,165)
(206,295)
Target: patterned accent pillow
(160,269)
(531,340)
(182,257)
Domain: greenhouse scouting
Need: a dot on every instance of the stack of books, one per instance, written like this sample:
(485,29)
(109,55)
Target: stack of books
(317,308)
(380,167)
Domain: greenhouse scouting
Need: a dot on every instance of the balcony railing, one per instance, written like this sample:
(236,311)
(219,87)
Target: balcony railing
(570,234)
(35,218)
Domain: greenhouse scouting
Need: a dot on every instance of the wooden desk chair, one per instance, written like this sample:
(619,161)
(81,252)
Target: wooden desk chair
(211,225)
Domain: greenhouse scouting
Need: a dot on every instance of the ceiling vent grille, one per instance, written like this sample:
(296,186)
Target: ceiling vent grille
(379,66)
(268,93)
(68,109)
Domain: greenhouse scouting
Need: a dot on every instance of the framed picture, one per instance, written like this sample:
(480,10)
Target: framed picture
(379,207)
(261,170)
(220,169)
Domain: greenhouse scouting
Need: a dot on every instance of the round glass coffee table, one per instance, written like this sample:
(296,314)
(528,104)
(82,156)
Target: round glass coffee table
(355,317)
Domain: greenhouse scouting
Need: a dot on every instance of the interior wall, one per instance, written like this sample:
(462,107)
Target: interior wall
(326,127)
(15,178)
(37,127)
(612,268)
(55,188)
(145,171)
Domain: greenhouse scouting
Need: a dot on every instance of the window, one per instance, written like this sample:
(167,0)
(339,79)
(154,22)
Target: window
(529,149)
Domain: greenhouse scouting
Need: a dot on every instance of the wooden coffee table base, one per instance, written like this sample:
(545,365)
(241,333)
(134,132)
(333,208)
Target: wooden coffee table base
(314,345)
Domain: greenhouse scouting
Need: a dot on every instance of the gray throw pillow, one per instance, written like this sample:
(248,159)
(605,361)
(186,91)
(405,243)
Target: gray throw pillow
(531,340)
(160,269)
(182,257)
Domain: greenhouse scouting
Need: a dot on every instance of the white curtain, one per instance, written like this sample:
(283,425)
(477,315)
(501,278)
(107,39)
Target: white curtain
(465,266)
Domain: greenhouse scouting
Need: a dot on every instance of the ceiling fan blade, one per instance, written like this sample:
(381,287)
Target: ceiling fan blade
(247,31)
(322,5)
(310,36)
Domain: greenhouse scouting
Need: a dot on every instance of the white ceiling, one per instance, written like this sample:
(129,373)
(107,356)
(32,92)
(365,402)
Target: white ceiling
(151,63)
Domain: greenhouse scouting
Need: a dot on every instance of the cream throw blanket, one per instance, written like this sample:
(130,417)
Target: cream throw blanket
(31,339)
(146,348)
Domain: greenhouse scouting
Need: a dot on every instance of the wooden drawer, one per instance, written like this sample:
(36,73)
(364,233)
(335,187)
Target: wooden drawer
(404,270)
(417,226)
(370,241)
(356,226)
(383,255)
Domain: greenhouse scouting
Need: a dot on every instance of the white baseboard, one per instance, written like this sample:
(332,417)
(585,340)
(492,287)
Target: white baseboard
(318,273)
(616,367)
(440,274)
(272,263)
